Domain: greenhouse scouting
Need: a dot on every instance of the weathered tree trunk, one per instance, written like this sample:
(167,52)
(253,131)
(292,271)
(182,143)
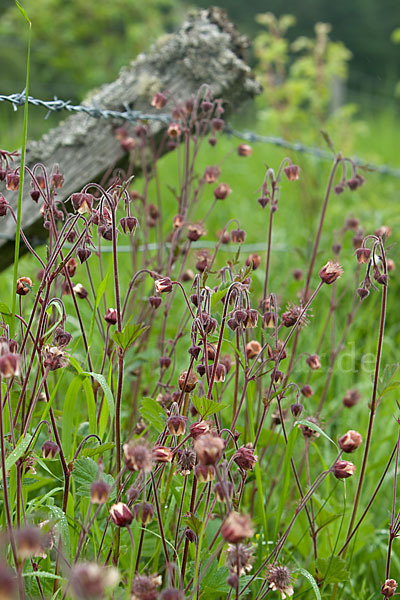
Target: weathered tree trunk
(206,49)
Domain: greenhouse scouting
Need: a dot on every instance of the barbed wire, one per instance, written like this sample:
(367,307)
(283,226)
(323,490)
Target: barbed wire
(57,105)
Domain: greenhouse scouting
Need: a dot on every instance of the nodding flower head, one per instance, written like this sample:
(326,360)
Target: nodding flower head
(138,457)
(330,272)
(121,514)
(163,285)
(209,448)
(236,528)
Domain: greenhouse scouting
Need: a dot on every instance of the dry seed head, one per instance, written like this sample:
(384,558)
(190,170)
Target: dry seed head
(245,458)
(279,580)
(186,460)
(145,588)
(239,558)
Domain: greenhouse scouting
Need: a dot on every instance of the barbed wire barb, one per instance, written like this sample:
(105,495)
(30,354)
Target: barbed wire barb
(57,105)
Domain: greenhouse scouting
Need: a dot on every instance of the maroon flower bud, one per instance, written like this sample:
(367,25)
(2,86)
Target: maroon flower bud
(252,318)
(222,191)
(269,319)
(163,285)
(220,373)
(309,432)
(162,454)
(30,543)
(12,181)
(24,286)
(80,291)
(165,362)
(71,266)
(350,441)
(363,293)
(298,274)
(198,429)
(383,232)
(253,349)
(35,195)
(343,469)
(209,448)
(339,188)
(50,449)
(253,261)
(83,254)
(351,398)
(280,352)
(195,232)
(195,351)
(296,409)
(171,594)
(155,301)
(330,272)
(389,588)
(206,105)
(217,124)
(211,174)
(238,236)
(245,458)
(224,489)
(57,180)
(240,315)
(363,255)
(177,424)
(233,580)
(10,365)
(99,492)
(82,203)
(129,224)
(292,172)
(204,473)
(90,580)
(121,514)
(159,100)
(61,338)
(138,457)
(244,150)
(174,130)
(314,362)
(307,391)
(187,381)
(391,265)
(189,535)
(232,323)
(143,512)
(278,376)
(111,316)
(236,528)
(201,369)
(3,206)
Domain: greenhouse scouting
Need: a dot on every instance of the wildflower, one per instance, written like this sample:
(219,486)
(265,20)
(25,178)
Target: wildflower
(307,391)
(90,580)
(163,285)
(269,319)
(24,286)
(54,358)
(80,291)
(211,174)
(195,232)
(330,272)
(155,301)
(209,448)
(61,337)
(162,454)
(30,543)
(137,457)
(159,100)
(204,473)
(171,594)
(12,181)
(174,130)
(3,206)
(236,528)
(71,266)
(389,588)
(83,254)
(292,172)
(279,580)
(244,150)
(82,203)
(164,362)
(351,398)
(99,492)
(252,318)
(50,449)
(245,458)
(177,424)
(194,351)
(222,191)
(363,255)
(314,362)
(278,353)
(187,381)
(343,469)
(145,588)
(238,236)
(111,316)
(296,409)
(10,365)
(186,460)
(240,558)
(383,231)
(220,373)
(143,512)
(350,441)
(224,490)
(121,514)
(309,432)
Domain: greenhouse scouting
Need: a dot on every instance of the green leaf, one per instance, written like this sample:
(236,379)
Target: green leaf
(205,406)
(153,413)
(316,428)
(219,294)
(286,478)
(213,581)
(62,524)
(98,449)
(18,451)
(44,574)
(85,473)
(332,570)
(125,338)
(100,292)
(193,523)
(311,579)
(23,11)
(69,412)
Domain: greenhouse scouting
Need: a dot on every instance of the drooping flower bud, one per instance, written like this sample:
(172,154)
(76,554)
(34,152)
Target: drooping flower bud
(137,457)
(350,441)
(363,255)
(187,381)
(121,514)
(314,362)
(111,316)
(24,286)
(163,285)
(307,391)
(159,100)
(343,469)
(236,528)
(389,588)
(155,301)
(244,150)
(143,512)
(330,272)
(99,492)
(177,424)
(209,448)
(224,490)
(245,458)
(253,348)
(292,172)
(162,454)
(50,449)
(204,473)
(198,429)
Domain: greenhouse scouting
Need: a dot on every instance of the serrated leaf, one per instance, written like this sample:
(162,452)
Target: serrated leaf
(213,581)
(85,473)
(125,338)
(312,581)
(316,428)
(332,570)
(153,413)
(193,523)
(205,406)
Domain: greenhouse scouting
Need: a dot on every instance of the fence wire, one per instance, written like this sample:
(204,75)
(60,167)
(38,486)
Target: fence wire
(57,105)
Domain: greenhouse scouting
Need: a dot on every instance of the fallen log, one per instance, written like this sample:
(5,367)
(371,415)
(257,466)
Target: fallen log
(206,49)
